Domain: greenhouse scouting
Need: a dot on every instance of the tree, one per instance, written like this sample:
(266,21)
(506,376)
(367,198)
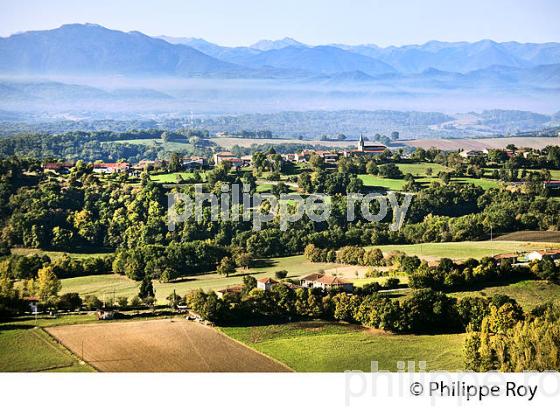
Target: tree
(122,301)
(69,302)
(249,283)
(47,284)
(243,259)
(92,302)
(281,274)
(226,266)
(146,288)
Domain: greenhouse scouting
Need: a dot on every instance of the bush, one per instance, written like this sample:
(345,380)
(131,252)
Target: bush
(92,302)
(281,274)
(69,302)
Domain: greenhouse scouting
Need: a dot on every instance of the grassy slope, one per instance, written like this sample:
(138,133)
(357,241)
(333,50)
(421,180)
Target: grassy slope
(528,294)
(332,347)
(25,348)
(462,250)
(122,286)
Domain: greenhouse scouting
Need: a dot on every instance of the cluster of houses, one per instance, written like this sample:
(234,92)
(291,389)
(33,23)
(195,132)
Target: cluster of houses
(329,157)
(312,281)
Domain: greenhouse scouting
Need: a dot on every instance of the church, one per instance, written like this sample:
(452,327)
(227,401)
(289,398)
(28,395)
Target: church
(368,147)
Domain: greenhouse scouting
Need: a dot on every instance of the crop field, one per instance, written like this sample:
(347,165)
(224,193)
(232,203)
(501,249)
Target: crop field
(464,250)
(318,346)
(534,236)
(482,143)
(419,169)
(117,285)
(161,346)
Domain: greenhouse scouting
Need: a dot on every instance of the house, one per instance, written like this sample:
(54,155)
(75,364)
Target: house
(58,167)
(326,282)
(110,167)
(509,257)
(194,162)
(367,147)
(266,283)
(538,255)
(235,162)
(230,290)
(471,153)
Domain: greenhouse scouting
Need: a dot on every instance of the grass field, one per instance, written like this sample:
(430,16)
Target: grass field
(171,178)
(168,345)
(332,347)
(419,169)
(463,250)
(375,181)
(118,285)
(24,348)
(528,294)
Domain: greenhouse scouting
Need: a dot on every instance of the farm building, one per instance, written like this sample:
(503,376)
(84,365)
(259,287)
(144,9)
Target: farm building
(234,289)
(266,283)
(58,167)
(326,282)
(538,255)
(110,167)
(471,153)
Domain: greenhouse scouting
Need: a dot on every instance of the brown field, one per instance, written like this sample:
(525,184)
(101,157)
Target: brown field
(482,143)
(531,236)
(161,346)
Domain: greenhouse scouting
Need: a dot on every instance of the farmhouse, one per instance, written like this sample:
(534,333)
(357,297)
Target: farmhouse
(235,162)
(326,282)
(194,162)
(58,167)
(230,290)
(266,283)
(32,303)
(555,185)
(506,257)
(471,153)
(110,167)
(538,255)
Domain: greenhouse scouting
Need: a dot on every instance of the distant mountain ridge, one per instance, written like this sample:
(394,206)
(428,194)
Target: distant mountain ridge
(92,49)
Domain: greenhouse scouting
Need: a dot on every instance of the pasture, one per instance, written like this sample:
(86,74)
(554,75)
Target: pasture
(318,346)
(169,345)
(116,285)
(26,348)
(464,250)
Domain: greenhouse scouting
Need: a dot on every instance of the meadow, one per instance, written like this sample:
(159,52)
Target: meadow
(26,347)
(318,346)
(116,285)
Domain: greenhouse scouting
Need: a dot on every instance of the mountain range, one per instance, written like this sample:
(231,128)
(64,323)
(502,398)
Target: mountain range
(89,49)
(87,68)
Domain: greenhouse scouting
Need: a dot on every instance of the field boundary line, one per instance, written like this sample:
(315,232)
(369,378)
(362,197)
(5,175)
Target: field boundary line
(54,339)
(219,330)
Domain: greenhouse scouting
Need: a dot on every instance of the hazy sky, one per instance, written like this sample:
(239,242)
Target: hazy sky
(242,22)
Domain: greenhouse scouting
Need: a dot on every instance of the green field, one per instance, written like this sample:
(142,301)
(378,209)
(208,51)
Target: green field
(375,181)
(463,250)
(171,178)
(528,293)
(419,169)
(25,348)
(118,285)
(334,347)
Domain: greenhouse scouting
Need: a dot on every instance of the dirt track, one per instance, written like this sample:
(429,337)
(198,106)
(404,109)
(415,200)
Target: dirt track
(161,346)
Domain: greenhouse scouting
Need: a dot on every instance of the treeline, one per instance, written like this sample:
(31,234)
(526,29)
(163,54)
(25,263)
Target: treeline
(169,262)
(24,267)
(422,311)
(98,145)
(508,341)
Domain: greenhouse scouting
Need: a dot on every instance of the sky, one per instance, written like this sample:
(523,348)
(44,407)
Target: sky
(243,22)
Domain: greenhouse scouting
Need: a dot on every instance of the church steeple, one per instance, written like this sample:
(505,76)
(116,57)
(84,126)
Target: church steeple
(361,143)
